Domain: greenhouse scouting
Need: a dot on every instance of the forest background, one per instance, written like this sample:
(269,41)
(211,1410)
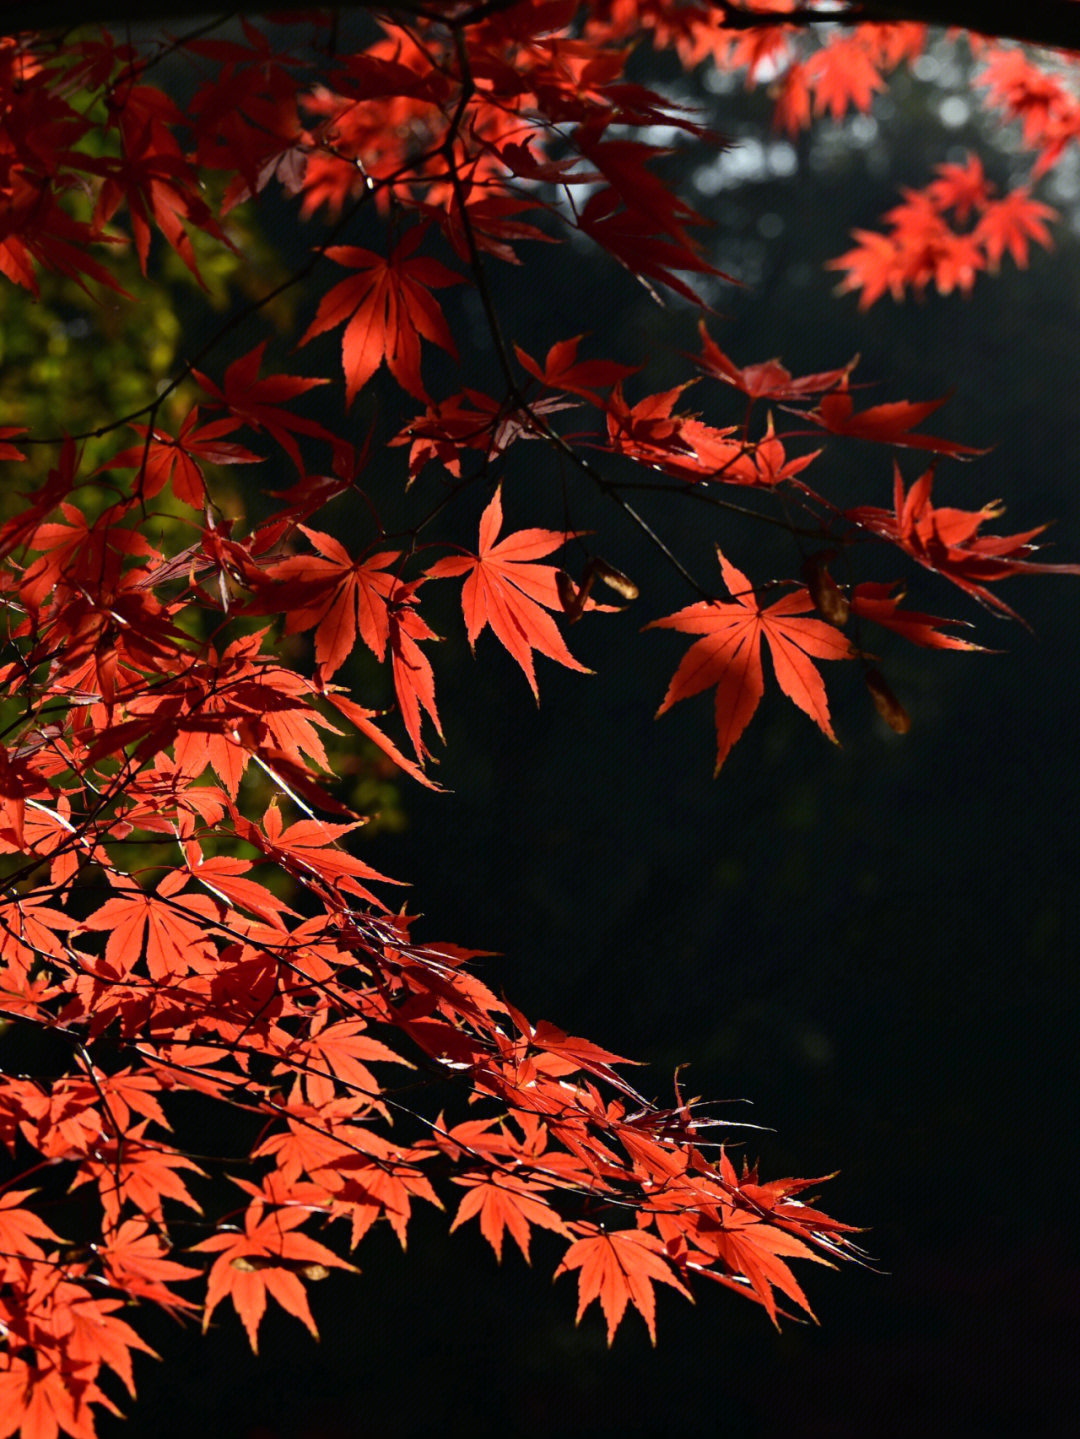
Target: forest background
(877,943)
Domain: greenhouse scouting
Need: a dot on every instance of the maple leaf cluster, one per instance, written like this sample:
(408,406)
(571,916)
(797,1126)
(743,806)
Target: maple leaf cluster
(945,235)
(955,227)
(185,911)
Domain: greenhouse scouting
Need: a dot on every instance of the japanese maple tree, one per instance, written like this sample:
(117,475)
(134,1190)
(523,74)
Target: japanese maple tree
(186,907)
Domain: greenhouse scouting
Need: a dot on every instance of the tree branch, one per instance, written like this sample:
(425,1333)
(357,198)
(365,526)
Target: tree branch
(1055,23)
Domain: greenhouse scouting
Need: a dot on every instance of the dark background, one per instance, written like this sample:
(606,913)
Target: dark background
(876,943)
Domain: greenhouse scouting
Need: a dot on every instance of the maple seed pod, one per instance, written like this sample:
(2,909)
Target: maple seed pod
(885,702)
(569,598)
(252,1263)
(829,599)
(615,579)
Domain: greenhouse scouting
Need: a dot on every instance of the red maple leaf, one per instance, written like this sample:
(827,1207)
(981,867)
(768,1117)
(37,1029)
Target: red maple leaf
(388,308)
(768,380)
(35,227)
(889,424)
(772,465)
(157,183)
(750,1232)
(39,1398)
(414,680)
(224,876)
(22,526)
(962,188)
(337,595)
(173,929)
(268,1258)
(505,1202)
(491,220)
(681,444)
(335,1053)
(508,591)
(629,236)
(844,75)
(362,718)
(1044,104)
(20,1229)
(380,1184)
(471,421)
(258,402)
(618,1268)
(875,266)
(131,1171)
(1009,223)
(177,459)
(564,371)
(947,541)
(90,1331)
(729,655)
(923,247)
(309,848)
(876,602)
(135,1259)
(28,927)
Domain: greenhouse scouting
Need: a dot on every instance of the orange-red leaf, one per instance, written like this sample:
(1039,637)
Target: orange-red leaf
(505,589)
(947,540)
(729,655)
(335,594)
(506,1202)
(386,307)
(768,380)
(241,1272)
(889,424)
(618,1268)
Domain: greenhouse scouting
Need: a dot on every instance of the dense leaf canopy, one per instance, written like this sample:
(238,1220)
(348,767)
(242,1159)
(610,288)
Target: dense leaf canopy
(187,918)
